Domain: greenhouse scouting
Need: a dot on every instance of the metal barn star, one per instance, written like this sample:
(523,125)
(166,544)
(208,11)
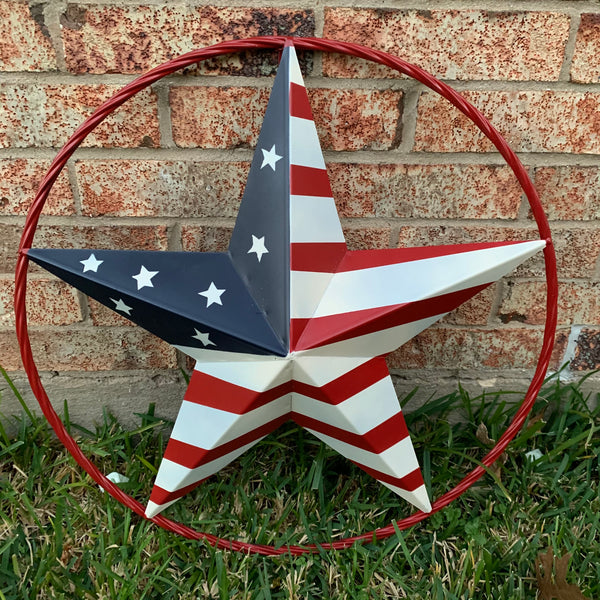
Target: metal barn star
(287,324)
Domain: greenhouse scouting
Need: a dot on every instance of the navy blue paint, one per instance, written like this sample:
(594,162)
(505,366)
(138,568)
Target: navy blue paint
(264,211)
(172,308)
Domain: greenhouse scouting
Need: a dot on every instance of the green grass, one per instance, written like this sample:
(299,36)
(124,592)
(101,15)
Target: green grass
(61,537)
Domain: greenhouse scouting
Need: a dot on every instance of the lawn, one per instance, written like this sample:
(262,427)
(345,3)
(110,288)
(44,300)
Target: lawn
(62,537)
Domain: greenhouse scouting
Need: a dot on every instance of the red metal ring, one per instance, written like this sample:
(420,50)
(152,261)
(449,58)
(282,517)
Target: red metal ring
(321,45)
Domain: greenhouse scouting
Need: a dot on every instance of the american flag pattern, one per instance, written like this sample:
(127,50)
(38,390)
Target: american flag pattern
(288,324)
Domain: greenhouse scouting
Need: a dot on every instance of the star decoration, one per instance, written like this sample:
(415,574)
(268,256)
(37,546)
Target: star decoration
(144,278)
(258,247)
(302,337)
(203,338)
(121,306)
(270,157)
(212,294)
(91,264)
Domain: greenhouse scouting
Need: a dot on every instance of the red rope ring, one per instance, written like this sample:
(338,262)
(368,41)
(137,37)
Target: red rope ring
(303,44)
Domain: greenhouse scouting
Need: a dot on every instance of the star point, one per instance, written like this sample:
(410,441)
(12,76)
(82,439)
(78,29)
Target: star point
(212,294)
(270,157)
(203,338)
(91,264)
(144,278)
(258,247)
(121,306)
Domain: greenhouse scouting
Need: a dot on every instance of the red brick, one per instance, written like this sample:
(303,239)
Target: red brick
(147,188)
(49,302)
(132,39)
(531,121)
(90,349)
(425,191)
(205,238)
(345,119)
(452,44)
(25,43)
(525,301)
(585,67)
(357,119)
(19,181)
(470,348)
(46,115)
(134,237)
(576,249)
(213,117)
(570,193)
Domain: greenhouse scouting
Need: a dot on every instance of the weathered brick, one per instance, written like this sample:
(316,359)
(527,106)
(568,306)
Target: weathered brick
(585,67)
(470,348)
(205,238)
(475,311)
(570,193)
(525,302)
(425,191)
(146,188)
(132,39)
(587,350)
(361,236)
(231,117)
(452,44)
(49,302)
(214,117)
(134,237)
(577,250)
(90,349)
(25,43)
(43,115)
(19,181)
(531,121)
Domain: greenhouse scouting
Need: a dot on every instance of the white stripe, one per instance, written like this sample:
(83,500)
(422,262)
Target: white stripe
(257,375)
(397,461)
(418,497)
(207,427)
(313,370)
(306,290)
(416,280)
(372,344)
(305,149)
(294,67)
(314,219)
(209,356)
(359,413)
(172,476)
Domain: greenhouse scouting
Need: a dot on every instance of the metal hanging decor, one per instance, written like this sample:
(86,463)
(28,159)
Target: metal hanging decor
(288,324)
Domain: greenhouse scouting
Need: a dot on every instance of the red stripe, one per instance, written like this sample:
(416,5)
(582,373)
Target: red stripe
(192,457)
(409,482)
(335,328)
(307,181)
(214,392)
(377,440)
(364,259)
(348,385)
(299,104)
(320,257)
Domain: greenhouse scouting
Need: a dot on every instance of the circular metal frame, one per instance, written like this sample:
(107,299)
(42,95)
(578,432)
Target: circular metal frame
(277,43)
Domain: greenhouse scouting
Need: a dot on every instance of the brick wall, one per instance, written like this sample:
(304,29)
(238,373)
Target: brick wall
(167,170)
